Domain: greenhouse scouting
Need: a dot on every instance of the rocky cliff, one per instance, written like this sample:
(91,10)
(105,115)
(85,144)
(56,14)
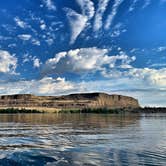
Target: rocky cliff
(72,101)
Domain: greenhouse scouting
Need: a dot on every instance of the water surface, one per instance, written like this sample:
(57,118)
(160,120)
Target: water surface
(82,139)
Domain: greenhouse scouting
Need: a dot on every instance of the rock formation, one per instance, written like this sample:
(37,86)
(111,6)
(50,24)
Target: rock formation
(72,101)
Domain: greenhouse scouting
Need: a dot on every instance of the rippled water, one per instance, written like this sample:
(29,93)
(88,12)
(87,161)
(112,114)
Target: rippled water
(88,139)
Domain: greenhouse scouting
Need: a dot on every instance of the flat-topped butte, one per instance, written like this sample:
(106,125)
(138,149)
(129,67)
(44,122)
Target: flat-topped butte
(68,102)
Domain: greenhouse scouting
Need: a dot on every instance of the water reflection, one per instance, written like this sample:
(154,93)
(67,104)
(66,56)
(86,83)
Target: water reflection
(93,120)
(82,139)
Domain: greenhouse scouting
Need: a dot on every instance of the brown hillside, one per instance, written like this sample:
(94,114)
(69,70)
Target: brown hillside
(72,101)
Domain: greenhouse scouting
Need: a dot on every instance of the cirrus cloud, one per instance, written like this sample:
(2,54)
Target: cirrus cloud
(77,23)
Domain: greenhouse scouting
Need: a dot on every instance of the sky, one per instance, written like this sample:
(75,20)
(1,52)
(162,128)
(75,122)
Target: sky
(57,47)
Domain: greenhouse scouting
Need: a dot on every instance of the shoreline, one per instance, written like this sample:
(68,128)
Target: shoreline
(16,110)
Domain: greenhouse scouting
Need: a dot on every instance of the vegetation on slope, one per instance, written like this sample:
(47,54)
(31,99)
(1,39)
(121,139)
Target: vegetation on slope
(15,111)
(88,110)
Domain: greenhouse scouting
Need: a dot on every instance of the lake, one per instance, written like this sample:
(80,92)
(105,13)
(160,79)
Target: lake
(82,139)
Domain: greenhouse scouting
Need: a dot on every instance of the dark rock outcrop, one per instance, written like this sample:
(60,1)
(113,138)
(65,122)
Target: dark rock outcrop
(72,101)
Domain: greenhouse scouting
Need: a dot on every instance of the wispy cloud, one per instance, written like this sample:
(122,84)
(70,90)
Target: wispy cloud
(49,4)
(25,37)
(77,23)
(87,8)
(102,5)
(28,37)
(27,58)
(158,65)
(35,42)
(118,29)
(133,5)
(20,23)
(160,49)
(113,13)
(146,3)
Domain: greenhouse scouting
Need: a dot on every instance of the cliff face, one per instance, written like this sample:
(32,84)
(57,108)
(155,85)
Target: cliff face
(72,101)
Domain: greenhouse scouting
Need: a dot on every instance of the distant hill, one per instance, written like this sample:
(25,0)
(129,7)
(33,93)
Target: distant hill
(68,102)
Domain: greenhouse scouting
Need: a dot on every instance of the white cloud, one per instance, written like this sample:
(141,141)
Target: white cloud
(25,37)
(36,62)
(44,86)
(20,23)
(86,60)
(102,5)
(27,58)
(139,78)
(87,7)
(43,26)
(151,77)
(8,62)
(91,60)
(78,60)
(113,13)
(118,29)
(77,23)
(49,85)
(35,42)
(49,4)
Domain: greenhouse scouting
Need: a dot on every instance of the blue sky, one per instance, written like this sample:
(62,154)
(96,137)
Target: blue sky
(54,47)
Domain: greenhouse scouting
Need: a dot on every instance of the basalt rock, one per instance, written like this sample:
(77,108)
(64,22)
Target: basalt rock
(72,101)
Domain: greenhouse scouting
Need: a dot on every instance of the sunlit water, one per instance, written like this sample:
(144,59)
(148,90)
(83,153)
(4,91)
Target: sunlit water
(88,139)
